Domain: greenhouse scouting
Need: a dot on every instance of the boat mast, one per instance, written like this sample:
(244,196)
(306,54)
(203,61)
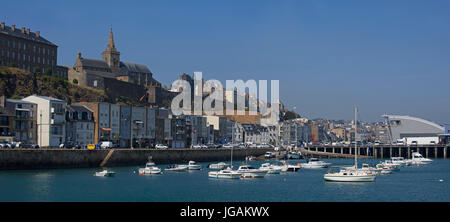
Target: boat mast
(231,157)
(356,140)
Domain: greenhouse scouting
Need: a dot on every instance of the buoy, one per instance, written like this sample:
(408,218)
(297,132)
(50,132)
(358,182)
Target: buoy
(284,179)
(298,164)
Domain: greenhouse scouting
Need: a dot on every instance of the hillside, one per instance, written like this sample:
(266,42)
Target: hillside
(18,83)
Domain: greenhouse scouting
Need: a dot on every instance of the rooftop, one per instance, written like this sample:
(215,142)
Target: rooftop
(23,34)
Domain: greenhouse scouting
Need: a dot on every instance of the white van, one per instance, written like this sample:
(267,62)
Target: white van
(106,144)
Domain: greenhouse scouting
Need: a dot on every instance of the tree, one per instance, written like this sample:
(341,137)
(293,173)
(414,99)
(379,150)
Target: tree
(37,69)
(75,81)
(48,71)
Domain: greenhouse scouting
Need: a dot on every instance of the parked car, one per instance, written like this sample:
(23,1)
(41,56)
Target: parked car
(6,145)
(28,145)
(279,149)
(227,145)
(69,145)
(161,146)
(269,155)
(106,145)
(197,146)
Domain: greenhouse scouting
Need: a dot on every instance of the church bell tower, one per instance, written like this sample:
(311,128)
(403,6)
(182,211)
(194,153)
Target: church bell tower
(111,55)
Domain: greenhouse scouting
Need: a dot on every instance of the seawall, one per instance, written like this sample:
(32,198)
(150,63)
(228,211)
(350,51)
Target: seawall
(14,159)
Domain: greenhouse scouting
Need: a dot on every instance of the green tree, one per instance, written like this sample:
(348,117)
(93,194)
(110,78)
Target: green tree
(75,81)
(37,70)
(48,71)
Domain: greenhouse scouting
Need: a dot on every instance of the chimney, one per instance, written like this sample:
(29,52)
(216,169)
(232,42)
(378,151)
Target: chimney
(27,31)
(2,25)
(23,30)
(13,27)
(37,33)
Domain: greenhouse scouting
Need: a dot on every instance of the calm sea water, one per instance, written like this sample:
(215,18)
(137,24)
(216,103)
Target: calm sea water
(408,184)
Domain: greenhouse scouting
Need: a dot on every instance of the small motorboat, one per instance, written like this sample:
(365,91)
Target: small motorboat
(400,161)
(250,158)
(418,159)
(248,171)
(286,167)
(383,170)
(314,163)
(177,168)
(104,173)
(225,174)
(271,169)
(192,166)
(390,164)
(150,168)
(219,166)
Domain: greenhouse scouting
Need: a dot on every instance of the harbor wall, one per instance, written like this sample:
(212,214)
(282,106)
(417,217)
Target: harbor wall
(71,158)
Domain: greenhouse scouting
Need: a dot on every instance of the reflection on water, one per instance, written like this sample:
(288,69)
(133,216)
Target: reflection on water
(425,183)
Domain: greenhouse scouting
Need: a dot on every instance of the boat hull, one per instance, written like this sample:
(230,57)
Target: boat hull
(218,175)
(253,174)
(149,171)
(104,174)
(314,166)
(349,178)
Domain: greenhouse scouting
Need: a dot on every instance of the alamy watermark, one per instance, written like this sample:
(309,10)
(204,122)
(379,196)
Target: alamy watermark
(237,98)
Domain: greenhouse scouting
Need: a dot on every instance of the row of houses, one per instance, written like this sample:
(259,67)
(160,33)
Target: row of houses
(50,122)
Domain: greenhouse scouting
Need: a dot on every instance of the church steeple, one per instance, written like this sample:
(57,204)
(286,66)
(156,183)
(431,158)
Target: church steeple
(111,55)
(111,45)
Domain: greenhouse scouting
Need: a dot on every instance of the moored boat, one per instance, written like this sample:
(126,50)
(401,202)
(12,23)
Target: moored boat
(286,167)
(418,159)
(349,175)
(352,174)
(219,166)
(314,163)
(248,171)
(271,169)
(150,168)
(193,166)
(104,173)
(177,168)
(225,174)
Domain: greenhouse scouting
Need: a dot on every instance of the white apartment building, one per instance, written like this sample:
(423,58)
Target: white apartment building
(50,120)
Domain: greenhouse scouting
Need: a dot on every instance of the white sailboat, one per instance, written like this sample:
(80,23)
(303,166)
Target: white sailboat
(351,174)
(227,173)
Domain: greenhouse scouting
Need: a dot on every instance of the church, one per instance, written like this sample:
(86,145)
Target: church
(92,72)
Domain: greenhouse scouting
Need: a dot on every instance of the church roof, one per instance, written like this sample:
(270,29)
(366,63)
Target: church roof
(133,67)
(94,63)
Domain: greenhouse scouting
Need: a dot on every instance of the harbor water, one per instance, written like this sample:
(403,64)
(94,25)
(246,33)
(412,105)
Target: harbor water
(414,183)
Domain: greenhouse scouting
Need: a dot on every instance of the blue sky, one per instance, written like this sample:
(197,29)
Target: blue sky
(383,56)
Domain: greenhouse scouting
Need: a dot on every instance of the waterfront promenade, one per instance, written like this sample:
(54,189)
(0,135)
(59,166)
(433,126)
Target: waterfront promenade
(80,158)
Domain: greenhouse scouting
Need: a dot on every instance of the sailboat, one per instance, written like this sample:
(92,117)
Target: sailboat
(227,173)
(350,174)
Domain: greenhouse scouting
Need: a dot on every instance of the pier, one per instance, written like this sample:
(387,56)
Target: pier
(380,151)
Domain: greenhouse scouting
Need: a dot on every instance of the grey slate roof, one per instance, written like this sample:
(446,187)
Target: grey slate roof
(94,63)
(18,33)
(78,109)
(133,67)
